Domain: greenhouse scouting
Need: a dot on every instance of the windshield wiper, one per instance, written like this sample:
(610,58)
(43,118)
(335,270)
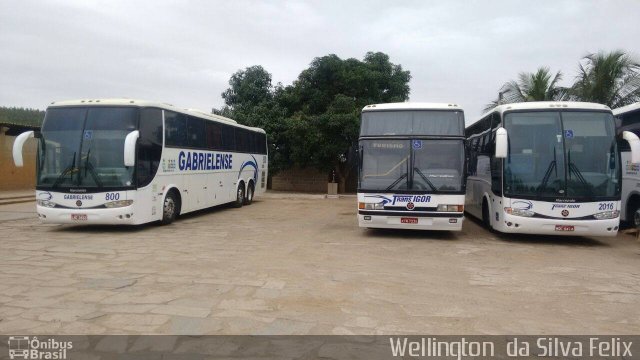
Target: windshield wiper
(574,169)
(396,182)
(405,175)
(425,179)
(547,174)
(69,170)
(88,166)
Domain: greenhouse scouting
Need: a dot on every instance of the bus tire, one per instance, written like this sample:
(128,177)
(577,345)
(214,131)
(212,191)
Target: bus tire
(636,219)
(633,209)
(239,196)
(248,199)
(170,208)
(486,220)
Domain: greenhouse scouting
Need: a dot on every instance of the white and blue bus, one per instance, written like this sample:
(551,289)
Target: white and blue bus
(629,120)
(121,161)
(546,168)
(411,166)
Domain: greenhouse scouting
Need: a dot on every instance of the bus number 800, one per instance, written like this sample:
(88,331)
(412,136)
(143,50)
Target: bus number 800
(112,196)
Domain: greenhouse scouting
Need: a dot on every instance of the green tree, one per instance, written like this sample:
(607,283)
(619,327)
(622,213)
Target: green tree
(373,80)
(541,85)
(314,122)
(21,116)
(248,87)
(610,78)
(326,141)
(250,101)
(324,104)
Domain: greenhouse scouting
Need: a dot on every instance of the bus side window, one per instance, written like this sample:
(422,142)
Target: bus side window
(473,155)
(214,135)
(256,146)
(149,145)
(486,143)
(195,133)
(261,143)
(496,164)
(240,140)
(175,129)
(228,138)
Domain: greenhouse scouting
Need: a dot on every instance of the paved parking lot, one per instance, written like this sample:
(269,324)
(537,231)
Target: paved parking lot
(300,265)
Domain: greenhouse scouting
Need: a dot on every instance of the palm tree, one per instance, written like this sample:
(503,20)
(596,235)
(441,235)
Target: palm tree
(611,78)
(538,86)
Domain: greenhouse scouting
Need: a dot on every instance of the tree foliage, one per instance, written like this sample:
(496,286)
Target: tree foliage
(248,87)
(611,78)
(314,122)
(541,85)
(21,116)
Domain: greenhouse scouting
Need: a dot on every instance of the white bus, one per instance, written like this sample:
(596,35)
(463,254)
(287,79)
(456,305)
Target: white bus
(629,120)
(411,166)
(546,168)
(121,161)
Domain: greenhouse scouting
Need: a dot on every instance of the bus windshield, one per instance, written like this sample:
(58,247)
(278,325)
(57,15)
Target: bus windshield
(423,165)
(84,147)
(561,154)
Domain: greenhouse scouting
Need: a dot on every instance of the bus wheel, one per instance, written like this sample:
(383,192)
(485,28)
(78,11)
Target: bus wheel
(636,218)
(249,198)
(485,215)
(239,196)
(170,208)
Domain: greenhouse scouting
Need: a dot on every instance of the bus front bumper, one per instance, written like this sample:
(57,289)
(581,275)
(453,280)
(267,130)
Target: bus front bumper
(452,223)
(123,215)
(561,227)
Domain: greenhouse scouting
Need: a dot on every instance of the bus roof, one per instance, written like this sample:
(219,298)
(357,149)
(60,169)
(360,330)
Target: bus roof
(141,103)
(626,109)
(541,105)
(412,106)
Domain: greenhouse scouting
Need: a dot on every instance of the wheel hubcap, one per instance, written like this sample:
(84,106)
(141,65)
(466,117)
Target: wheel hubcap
(240,194)
(636,218)
(169,208)
(250,195)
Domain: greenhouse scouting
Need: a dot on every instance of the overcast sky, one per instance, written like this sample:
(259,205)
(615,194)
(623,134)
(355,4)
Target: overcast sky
(183,52)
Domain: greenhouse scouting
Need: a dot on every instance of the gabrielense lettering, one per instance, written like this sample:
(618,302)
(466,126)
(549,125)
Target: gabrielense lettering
(194,160)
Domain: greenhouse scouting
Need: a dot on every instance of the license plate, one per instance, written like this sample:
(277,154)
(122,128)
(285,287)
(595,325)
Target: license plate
(78,216)
(564,228)
(408,220)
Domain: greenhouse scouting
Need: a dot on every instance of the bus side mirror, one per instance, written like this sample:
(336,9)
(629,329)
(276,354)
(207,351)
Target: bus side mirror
(130,148)
(17,147)
(502,143)
(634,143)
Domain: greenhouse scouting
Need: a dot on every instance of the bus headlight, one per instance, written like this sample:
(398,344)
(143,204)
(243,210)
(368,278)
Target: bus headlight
(607,215)
(46,203)
(370,206)
(519,212)
(451,208)
(119,203)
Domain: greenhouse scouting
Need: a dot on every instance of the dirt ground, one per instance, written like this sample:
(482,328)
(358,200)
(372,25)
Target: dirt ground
(292,264)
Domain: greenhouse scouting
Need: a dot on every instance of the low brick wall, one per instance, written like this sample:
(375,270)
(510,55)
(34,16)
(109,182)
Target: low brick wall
(12,177)
(302,180)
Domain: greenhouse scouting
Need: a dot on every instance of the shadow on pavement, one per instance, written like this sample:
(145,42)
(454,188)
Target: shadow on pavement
(407,234)
(136,228)
(538,239)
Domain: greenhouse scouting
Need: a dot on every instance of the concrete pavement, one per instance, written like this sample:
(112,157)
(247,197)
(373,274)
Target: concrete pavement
(292,265)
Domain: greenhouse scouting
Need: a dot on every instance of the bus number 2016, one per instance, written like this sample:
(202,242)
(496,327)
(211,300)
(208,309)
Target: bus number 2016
(605,206)
(112,196)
